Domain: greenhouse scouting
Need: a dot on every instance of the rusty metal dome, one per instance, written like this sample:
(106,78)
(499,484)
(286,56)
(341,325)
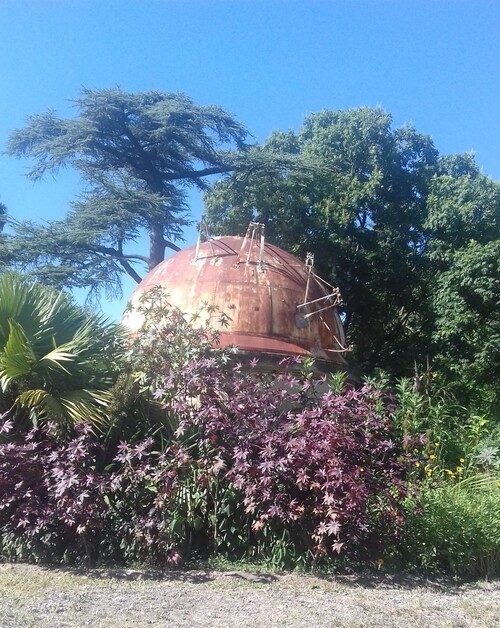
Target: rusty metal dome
(275,302)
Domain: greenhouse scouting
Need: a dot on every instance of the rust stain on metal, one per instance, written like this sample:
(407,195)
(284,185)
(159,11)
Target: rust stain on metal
(260,297)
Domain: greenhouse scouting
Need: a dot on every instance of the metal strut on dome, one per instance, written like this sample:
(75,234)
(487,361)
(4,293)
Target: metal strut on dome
(204,231)
(255,231)
(309,266)
(333,298)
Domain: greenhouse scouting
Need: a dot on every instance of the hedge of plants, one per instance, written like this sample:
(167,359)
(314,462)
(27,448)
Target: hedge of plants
(193,455)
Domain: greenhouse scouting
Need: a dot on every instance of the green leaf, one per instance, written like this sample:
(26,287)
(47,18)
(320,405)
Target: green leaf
(17,357)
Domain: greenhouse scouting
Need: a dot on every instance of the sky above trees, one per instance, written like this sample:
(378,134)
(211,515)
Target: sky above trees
(433,63)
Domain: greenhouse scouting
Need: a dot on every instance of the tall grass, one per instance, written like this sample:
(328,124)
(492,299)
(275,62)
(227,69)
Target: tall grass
(456,527)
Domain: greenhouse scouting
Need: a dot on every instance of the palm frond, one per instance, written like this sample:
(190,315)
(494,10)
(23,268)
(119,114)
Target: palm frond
(42,404)
(56,361)
(17,357)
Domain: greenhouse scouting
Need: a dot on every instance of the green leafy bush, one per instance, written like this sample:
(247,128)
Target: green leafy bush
(444,436)
(456,527)
(56,361)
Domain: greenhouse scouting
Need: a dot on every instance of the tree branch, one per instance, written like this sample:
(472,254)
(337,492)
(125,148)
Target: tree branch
(105,250)
(123,258)
(130,270)
(197,174)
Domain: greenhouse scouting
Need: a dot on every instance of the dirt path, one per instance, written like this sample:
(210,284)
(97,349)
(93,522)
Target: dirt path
(34,596)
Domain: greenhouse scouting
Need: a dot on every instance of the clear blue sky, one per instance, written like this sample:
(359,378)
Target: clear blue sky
(434,63)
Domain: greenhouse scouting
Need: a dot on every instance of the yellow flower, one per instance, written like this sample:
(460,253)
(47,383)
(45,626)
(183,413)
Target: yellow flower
(361,469)
(432,457)
(449,472)
(462,460)
(415,451)
(459,469)
(417,464)
(436,444)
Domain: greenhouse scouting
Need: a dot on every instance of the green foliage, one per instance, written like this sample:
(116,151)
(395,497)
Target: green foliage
(464,217)
(461,208)
(137,155)
(454,513)
(451,430)
(56,362)
(456,528)
(467,324)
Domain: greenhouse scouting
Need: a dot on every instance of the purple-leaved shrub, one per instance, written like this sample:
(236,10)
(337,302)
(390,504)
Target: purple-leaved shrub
(51,496)
(318,471)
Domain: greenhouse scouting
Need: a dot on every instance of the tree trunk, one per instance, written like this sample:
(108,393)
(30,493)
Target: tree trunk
(156,246)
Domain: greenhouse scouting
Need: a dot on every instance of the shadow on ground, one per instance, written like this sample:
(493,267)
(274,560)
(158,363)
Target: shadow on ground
(366,580)
(192,576)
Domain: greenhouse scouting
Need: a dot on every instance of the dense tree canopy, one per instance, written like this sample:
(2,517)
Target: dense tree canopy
(137,155)
(464,220)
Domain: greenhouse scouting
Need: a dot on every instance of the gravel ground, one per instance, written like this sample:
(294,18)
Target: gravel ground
(35,596)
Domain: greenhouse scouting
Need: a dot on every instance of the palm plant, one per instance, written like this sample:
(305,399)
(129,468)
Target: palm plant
(56,362)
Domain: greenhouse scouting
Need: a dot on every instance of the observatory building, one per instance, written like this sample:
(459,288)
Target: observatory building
(276,304)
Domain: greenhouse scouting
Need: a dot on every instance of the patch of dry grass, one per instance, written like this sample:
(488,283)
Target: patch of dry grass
(101,598)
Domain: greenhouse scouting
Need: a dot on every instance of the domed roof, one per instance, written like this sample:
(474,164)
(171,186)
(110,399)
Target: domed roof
(275,302)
